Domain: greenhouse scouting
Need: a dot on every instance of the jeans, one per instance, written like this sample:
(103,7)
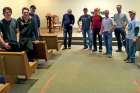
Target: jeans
(130,50)
(67,36)
(35,35)
(87,36)
(121,37)
(95,33)
(107,36)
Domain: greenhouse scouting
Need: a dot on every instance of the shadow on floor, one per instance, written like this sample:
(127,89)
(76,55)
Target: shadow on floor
(23,86)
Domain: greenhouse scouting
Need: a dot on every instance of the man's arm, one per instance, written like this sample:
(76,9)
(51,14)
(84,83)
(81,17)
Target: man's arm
(38,20)
(62,21)
(73,19)
(78,22)
(4,44)
(136,31)
(125,20)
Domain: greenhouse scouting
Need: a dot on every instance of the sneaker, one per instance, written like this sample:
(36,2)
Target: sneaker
(109,56)
(119,50)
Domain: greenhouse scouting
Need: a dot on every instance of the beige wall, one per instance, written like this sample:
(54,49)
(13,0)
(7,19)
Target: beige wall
(59,7)
(16,6)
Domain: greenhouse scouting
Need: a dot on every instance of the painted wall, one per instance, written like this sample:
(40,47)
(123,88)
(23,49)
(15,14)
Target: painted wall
(16,6)
(59,7)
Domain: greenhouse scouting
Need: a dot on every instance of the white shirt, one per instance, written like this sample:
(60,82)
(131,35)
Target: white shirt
(107,24)
(120,20)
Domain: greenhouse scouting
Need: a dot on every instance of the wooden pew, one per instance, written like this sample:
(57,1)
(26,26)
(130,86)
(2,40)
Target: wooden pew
(15,64)
(51,40)
(41,51)
(4,88)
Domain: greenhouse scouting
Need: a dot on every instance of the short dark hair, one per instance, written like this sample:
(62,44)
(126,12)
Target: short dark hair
(7,8)
(33,6)
(85,9)
(25,8)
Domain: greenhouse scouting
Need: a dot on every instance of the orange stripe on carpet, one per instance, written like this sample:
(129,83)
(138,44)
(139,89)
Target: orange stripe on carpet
(136,83)
(47,84)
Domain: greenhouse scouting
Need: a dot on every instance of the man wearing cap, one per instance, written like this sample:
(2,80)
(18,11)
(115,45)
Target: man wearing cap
(36,20)
(86,22)
(131,37)
(67,24)
(96,26)
(121,21)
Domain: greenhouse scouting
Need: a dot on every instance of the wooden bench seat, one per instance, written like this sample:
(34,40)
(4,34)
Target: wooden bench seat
(41,51)
(4,88)
(15,64)
(51,40)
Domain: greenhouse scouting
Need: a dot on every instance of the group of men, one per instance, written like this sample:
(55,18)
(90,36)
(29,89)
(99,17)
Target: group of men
(27,26)
(96,25)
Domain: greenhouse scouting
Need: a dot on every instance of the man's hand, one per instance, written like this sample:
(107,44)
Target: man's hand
(135,39)
(71,25)
(6,45)
(100,33)
(36,41)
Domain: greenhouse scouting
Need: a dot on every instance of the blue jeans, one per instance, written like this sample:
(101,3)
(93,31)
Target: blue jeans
(67,36)
(107,36)
(87,36)
(121,37)
(130,50)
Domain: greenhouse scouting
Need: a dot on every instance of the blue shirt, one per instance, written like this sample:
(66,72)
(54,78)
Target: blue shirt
(67,20)
(86,20)
(132,24)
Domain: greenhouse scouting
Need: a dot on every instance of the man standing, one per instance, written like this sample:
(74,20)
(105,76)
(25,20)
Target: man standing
(67,24)
(96,26)
(121,21)
(107,28)
(8,27)
(26,27)
(86,22)
(36,19)
(131,37)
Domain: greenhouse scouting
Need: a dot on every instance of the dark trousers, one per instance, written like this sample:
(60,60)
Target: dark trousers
(36,35)
(67,37)
(121,37)
(95,34)
(27,45)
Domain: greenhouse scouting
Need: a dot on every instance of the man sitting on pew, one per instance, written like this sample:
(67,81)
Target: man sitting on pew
(26,27)
(8,26)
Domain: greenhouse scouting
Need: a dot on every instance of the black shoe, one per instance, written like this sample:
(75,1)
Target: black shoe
(129,62)
(100,50)
(69,47)
(119,50)
(94,50)
(85,47)
(104,53)
(64,48)
(126,59)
